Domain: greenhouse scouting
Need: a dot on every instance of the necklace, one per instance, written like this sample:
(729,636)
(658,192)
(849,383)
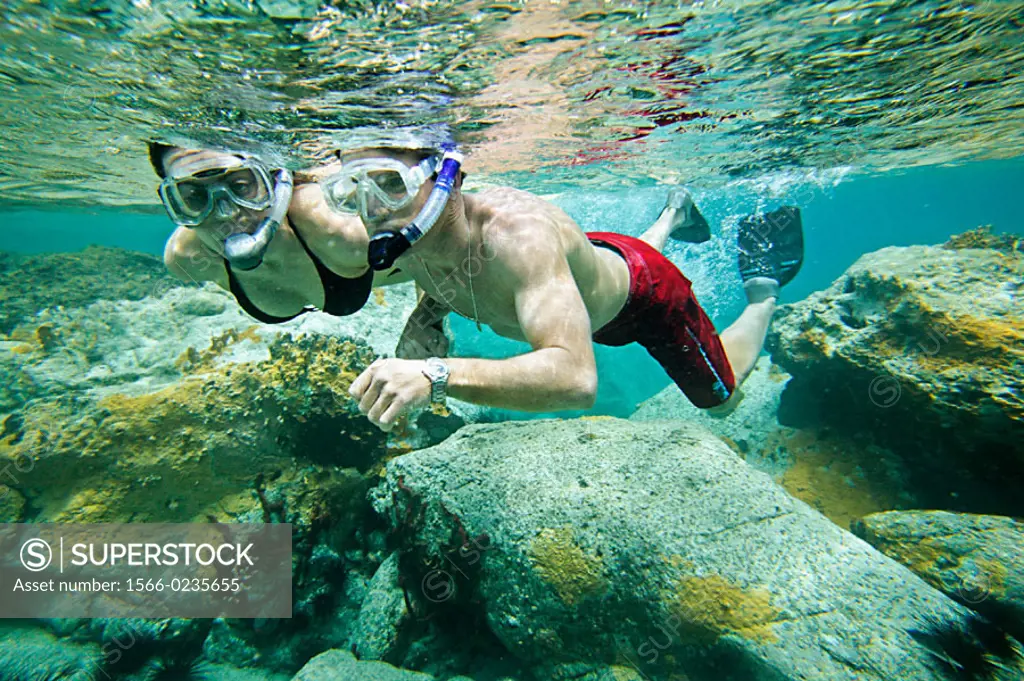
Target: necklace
(472,295)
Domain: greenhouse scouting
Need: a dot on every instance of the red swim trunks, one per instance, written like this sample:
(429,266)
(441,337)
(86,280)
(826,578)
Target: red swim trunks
(662,314)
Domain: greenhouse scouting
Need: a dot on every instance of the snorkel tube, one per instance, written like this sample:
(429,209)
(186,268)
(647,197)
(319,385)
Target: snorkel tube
(385,247)
(245,251)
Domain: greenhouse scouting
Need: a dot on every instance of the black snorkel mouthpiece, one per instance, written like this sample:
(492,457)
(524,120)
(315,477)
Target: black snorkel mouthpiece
(246,251)
(386,247)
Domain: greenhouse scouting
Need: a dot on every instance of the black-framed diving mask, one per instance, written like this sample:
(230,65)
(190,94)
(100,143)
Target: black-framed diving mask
(190,199)
(364,186)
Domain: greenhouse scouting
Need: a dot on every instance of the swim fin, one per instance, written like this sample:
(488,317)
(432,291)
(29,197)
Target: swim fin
(771,245)
(695,228)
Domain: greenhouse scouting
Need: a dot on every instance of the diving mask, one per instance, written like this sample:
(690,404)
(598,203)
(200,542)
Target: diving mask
(366,185)
(190,199)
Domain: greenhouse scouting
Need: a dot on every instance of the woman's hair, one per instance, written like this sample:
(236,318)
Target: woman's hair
(156,157)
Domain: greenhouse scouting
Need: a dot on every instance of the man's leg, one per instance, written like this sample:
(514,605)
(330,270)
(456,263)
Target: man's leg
(744,338)
(771,251)
(679,219)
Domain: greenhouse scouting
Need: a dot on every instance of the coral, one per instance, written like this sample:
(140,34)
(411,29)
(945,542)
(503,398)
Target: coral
(982,237)
(573,573)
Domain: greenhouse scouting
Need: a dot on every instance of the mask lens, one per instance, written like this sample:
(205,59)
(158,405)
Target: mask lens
(341,194)
(390,182)
(244,185)
(194,198)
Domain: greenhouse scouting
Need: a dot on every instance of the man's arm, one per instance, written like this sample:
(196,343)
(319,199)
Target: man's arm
(560,372)
(424,333)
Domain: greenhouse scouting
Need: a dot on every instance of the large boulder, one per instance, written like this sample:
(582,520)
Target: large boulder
(340,665)
(923,348)
(615,544)
(976,559)
(215,444)
(747,429)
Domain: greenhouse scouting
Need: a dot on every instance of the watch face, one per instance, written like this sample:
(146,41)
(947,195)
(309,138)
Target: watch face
(437,368)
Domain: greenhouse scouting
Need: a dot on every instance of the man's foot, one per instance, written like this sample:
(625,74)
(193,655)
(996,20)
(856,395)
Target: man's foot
(687,222)
(771,247)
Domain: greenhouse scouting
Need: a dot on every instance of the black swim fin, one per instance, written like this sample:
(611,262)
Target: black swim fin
(695,229)
(771,245)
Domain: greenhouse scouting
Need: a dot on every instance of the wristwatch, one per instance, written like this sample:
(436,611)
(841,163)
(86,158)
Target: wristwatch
(437,371)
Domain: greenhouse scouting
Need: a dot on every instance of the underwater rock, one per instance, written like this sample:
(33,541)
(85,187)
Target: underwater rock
(140,346)
(339,665)
(922,347)
(277,440)
(976,559)
(746,429)
(377,633)
(32,283)
(649,546)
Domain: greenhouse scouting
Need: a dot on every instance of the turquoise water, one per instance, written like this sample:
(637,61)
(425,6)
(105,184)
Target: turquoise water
(856,515)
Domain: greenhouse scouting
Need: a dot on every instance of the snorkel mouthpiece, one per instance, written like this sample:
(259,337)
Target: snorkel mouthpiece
(386,247)
(245,251)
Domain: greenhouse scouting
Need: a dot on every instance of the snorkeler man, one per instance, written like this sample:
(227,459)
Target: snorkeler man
(519,264)
(277,248)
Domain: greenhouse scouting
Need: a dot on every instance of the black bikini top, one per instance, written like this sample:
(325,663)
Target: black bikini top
(342,296)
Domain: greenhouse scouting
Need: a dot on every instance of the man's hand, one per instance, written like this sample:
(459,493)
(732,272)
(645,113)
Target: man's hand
(390,388)
(420,343)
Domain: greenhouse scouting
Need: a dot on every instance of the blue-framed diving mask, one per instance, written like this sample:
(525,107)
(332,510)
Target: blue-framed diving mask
(367,186)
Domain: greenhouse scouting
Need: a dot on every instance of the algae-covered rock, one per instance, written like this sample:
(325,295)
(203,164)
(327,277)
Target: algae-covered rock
(976,559)
(277,440)
(652,547)
(923,347)
(29,284)
(339,665)
(273,436)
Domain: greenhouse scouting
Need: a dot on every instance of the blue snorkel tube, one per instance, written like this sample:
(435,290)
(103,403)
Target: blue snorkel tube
(246,251)
(386,247)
